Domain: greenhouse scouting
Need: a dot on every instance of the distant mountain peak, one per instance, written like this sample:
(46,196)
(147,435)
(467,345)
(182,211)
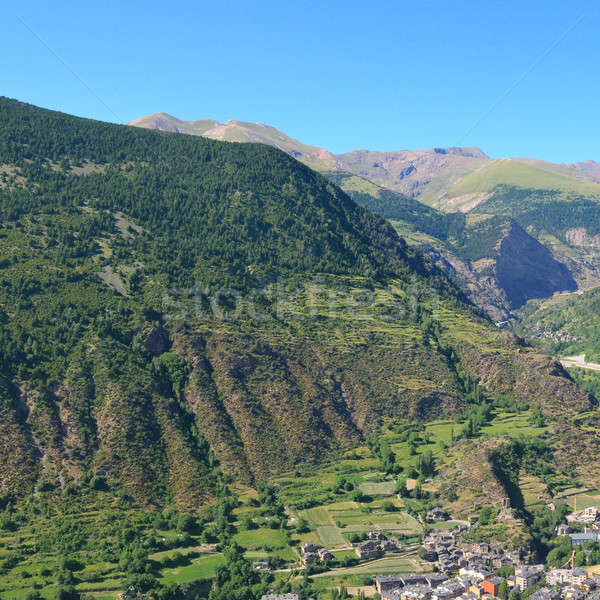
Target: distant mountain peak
(235,130)
(588,168)
(469,152)
(165,122)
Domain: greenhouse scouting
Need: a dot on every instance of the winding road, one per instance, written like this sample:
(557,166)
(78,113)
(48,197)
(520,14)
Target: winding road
(579,361)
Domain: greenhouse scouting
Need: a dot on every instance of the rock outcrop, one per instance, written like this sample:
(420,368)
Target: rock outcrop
(526,269)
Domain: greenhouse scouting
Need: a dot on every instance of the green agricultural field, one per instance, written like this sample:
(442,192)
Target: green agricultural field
(382,488)
(317,516)
(201,568)
(400,523)
(584,500)
(170,553)
(513,424)
(389,564)
(331,536)
(257,538)
(380,503)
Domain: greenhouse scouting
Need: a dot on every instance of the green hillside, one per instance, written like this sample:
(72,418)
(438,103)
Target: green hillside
(404,211)
(507,172)
(185,323)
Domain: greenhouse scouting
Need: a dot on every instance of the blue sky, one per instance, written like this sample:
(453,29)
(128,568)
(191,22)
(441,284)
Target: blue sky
(343,75)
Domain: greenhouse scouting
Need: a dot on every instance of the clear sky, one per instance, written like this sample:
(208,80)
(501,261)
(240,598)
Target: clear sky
(340,74)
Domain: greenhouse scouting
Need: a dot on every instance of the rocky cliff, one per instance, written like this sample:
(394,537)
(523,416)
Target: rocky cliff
(525,269)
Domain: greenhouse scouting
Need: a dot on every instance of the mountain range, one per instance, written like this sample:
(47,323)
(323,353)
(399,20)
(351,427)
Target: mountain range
(169,301)
(505,231)
(212,353)
(430,175)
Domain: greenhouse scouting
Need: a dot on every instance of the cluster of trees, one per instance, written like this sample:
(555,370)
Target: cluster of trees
(342,485)
(426,464)
(537,417)
(476,416)
(562,550)
(417,491)
(380,447)
(128,539)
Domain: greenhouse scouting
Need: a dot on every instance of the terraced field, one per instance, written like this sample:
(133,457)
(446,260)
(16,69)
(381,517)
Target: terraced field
(333,507)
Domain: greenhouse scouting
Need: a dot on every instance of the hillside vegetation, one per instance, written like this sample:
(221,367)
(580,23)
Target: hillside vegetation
(131,349)
(514,173)
(567,324)
(210,354)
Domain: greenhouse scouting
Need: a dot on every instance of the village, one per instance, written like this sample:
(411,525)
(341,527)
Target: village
(472,570)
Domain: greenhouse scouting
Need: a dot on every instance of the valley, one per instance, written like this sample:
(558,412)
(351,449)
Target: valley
(213,355)
(108,541)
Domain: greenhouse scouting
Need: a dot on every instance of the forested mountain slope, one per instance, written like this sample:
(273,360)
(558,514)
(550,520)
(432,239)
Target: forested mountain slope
(170,302)
(550,208)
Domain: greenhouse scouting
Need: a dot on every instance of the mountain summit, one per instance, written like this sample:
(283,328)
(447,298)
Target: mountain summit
(242,131)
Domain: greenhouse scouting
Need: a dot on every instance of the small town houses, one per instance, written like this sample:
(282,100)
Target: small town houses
(368,550)
(588,535)
(311,553)
(560,584)
(280,597)
(440,546)
(375,546)
(466,570)
(262,565)
(576,576)
(526,577)
(437,514)
(589,516)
